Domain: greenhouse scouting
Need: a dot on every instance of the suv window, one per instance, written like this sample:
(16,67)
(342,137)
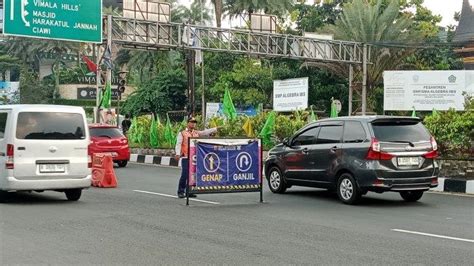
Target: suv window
(106,132)
(308,137)
(400,131)
(3,124)
(330,134)
(50,125)
(354,132)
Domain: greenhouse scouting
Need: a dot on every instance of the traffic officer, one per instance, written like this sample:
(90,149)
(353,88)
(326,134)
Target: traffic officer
(181,151)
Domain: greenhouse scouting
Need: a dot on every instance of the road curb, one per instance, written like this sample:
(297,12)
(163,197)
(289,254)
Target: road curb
(455,185)
(444,184)
(155,160)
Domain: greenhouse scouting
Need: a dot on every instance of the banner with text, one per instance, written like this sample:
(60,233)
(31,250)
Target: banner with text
(290,94)
(425,90)
(221,165)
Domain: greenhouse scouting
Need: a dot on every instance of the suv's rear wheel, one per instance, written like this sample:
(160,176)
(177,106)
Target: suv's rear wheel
(276,181)
(73,194)
(347,189)
(411,196)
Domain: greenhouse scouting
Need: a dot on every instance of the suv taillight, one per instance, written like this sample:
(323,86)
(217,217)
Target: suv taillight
(375,153)
(433,154)
(9,164)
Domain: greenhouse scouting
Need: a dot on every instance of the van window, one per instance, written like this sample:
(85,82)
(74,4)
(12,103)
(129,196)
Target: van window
(308,137)
(105,132)
(354,132)
(400,131)
(50,125)
(3,124)
(330,134)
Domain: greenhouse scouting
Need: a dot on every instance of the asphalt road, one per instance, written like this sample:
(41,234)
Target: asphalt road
(140,223)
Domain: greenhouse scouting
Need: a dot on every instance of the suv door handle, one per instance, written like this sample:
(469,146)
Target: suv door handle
(305,151)
(333,150)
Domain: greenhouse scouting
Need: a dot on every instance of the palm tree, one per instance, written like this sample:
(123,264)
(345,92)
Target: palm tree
(192,14)
(218,11)
(237,7)
(28,50)
(379,26)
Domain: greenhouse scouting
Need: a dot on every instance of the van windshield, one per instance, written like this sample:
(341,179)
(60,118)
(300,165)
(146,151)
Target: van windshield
(50,125)
(400,131)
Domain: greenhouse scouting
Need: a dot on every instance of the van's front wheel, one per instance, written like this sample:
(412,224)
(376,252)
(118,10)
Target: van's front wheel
(73,194)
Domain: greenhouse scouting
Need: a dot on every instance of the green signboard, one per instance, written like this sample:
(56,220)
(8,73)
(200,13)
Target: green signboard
(69,20)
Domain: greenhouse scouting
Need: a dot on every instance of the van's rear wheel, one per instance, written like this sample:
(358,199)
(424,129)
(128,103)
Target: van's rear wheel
(5,197)
(347,189)
(122,163)
(73,194)
(411,196)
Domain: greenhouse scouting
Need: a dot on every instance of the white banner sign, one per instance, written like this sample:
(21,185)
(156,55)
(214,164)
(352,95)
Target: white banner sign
(425,90)
(290,94)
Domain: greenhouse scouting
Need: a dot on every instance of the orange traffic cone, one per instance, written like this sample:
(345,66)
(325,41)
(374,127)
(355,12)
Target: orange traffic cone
(109,180)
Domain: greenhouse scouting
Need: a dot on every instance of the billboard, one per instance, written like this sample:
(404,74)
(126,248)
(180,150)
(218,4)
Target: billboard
(290,94)
(426,90)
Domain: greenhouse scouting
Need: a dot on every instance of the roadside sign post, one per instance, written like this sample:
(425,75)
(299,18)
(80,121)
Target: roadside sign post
(224,166)
(67,20)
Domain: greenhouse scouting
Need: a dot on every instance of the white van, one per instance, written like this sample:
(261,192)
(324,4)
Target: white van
(44,147)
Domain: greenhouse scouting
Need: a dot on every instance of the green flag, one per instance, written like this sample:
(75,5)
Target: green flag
(268,128)
(169,135)
(106,99)
(333,109)
(158,121)
(413,113)
(228,106)
(312,117)
(132,132)
(153,133)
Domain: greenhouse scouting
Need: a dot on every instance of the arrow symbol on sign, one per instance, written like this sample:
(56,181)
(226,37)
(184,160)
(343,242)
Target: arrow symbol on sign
(211,163)
(244,161)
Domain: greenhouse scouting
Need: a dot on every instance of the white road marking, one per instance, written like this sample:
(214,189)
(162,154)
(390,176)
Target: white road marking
(175,197)
(432,235)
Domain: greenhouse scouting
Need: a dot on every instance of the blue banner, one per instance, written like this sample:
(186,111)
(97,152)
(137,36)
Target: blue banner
(228,166)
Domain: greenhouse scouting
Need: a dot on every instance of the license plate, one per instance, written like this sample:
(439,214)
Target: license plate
(408,161)
(52,168)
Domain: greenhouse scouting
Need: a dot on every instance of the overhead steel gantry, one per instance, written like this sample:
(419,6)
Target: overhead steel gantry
(144,34)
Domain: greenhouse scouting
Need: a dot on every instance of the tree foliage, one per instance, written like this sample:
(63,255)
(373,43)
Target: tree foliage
(162,94)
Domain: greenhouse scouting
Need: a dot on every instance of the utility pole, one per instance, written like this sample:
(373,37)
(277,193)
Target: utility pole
(364,80)
(351,79)
(203,97)
(190,57)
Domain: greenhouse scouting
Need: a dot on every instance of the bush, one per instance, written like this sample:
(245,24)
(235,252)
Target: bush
(453,132)
(285,126)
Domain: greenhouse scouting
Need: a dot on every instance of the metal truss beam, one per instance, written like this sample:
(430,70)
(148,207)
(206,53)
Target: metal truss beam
(143,34)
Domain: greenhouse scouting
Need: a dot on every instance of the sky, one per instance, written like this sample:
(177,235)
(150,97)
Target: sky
(445,8)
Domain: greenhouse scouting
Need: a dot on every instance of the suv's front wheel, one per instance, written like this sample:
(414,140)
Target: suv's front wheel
(411,196)
(347,189)
(276,181)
